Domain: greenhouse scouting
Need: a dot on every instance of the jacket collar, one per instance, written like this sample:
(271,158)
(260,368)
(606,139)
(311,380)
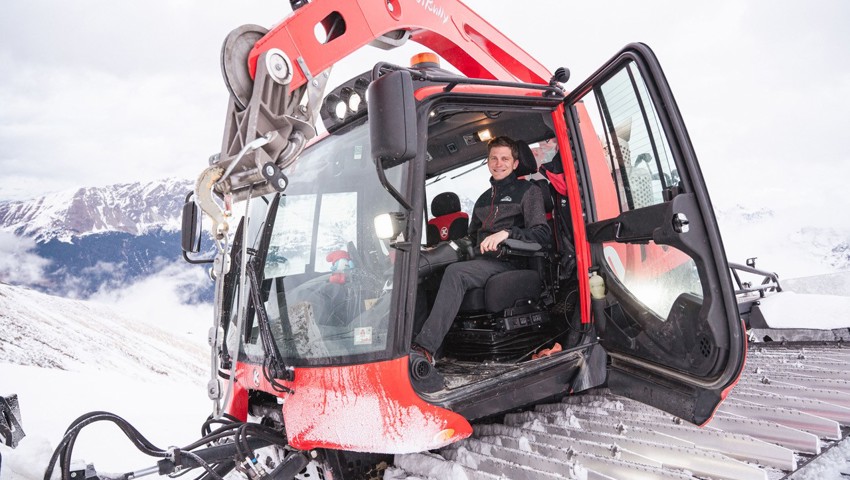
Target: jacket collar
(505,181)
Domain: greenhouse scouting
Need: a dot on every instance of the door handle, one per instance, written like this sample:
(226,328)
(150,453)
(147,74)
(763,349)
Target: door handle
(681,224)
(619,237)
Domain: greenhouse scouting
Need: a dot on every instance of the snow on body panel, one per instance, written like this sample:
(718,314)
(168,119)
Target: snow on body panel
(366,408)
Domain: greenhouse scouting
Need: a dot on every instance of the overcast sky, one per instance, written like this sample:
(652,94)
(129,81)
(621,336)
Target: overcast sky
(98,91)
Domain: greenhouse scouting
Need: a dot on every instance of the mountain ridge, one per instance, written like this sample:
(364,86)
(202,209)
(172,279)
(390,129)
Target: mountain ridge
(96,238)
(132,208)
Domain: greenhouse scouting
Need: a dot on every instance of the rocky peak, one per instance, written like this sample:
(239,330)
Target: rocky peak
(132,208)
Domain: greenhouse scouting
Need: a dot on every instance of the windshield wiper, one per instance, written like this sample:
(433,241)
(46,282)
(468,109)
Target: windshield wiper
(435,180)
(273,365)
(483,162)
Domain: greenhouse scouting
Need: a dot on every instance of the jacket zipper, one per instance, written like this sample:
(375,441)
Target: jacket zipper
(491,216)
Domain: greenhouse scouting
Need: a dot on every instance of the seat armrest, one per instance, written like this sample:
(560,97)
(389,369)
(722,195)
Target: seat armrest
(521,246)
(433,259)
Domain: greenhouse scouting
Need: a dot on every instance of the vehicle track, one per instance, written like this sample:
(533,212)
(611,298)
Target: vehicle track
(791,405)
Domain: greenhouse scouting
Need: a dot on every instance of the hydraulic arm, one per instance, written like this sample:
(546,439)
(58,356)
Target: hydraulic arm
(277,78)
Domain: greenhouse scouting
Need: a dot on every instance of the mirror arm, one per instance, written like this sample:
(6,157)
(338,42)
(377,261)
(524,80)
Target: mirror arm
(198,261)
(390,188)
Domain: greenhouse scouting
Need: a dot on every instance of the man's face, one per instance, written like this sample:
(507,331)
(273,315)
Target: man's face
(501,162)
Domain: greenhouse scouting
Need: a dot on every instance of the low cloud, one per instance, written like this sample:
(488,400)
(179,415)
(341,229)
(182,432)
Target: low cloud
(168,299)
(18,265)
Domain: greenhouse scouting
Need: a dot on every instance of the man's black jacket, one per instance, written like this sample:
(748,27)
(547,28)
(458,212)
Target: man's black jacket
(513,205)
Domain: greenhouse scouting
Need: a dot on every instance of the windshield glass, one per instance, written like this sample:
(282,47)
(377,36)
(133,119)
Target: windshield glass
(327,278)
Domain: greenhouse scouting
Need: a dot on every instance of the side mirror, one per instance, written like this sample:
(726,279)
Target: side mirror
(190,237)
(392,118)
(191,228)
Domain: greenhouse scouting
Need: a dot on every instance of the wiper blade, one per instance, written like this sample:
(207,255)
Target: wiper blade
(434,180)
(483,162)
(273,365)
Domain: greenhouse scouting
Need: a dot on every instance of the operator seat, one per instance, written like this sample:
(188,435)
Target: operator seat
(504,321)
(449,222)
(507,289)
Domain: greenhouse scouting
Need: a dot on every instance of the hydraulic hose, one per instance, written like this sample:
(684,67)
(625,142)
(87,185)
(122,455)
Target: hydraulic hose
(216,460)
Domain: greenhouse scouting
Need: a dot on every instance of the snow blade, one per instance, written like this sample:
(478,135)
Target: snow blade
(10,421)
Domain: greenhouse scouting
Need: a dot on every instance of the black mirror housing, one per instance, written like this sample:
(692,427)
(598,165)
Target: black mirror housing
(191,226)
(392,118)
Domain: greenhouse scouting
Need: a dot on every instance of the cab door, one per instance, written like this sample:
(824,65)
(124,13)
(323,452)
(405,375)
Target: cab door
(669,322)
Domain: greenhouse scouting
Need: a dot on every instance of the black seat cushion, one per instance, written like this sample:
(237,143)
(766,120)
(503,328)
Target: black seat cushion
(502,291)
(473,300)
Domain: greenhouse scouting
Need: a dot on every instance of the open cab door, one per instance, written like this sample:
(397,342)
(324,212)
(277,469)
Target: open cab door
(670,324)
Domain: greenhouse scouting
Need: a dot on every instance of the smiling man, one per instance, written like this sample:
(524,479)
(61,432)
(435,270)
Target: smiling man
(510,208)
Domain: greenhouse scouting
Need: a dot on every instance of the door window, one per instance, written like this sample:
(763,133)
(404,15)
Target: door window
(655,274)
(635,148)
(641,173)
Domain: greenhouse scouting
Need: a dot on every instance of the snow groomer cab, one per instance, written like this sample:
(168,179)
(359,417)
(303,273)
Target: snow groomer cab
(343,246)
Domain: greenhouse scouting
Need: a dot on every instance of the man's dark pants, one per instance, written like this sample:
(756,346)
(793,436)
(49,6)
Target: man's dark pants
(457,280)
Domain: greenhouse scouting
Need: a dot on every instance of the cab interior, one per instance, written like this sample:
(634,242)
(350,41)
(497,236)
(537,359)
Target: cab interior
(520,314)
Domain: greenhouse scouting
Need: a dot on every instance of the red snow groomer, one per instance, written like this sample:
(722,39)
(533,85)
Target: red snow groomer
(311,357)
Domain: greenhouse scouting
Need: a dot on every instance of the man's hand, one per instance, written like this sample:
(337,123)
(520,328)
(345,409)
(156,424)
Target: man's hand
(491,243)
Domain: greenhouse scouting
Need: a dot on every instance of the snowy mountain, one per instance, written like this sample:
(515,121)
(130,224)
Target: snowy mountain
(89,239)
(135,208)
(791,242)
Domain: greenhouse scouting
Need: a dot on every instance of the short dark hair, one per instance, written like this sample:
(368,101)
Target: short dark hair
(503,141)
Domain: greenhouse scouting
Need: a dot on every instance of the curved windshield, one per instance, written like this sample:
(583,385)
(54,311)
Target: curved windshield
(327,278)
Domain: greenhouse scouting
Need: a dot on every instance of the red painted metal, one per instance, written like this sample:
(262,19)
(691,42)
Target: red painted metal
(583,259)
(449,28)
(365,408)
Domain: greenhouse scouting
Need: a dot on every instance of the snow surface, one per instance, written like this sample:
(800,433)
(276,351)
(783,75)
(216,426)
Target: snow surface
(834,464)
(165,410)
(64,358)
(167,407)
(53,332)
(798,310)
(829,284)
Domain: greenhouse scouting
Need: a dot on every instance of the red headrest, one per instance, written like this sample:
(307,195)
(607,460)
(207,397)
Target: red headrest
(444,224)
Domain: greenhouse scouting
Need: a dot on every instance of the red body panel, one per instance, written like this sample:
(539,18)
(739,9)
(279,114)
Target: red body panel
(364,408)
(450,29)
(583,260)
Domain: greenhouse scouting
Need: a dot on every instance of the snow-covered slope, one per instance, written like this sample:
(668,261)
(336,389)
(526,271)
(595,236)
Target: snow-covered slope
(52,332)
(133,208)
(64,358)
